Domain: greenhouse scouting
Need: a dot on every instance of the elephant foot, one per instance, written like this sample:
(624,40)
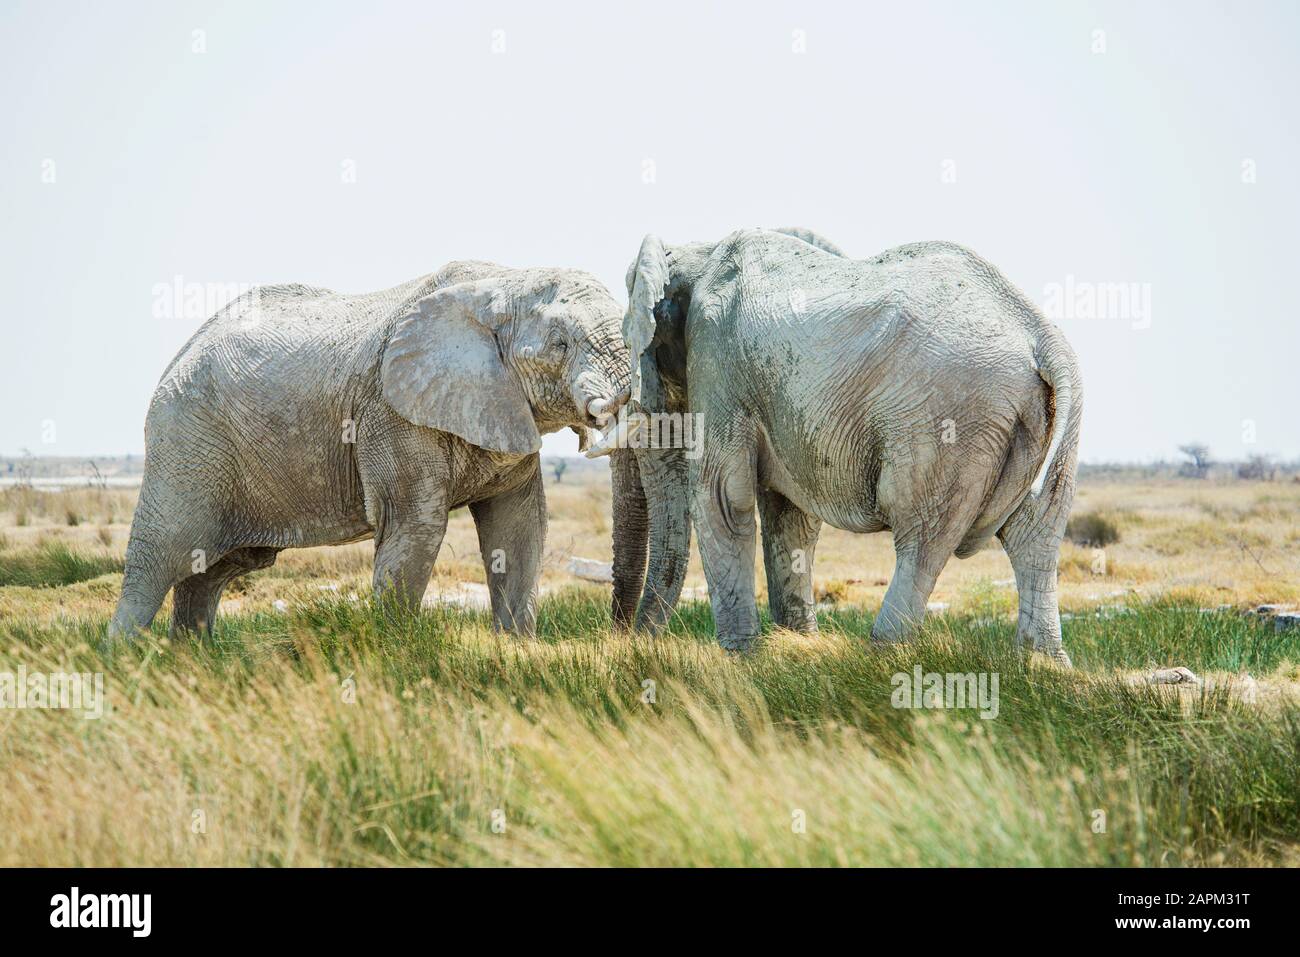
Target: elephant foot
(123,628)
(892,627)
(1054,654)
(737,644)
(885,638)
(803,626)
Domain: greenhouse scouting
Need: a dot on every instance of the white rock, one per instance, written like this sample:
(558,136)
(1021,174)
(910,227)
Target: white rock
(1113,611)
(469,595)
(1267,611)
(280,605)
(1249,689)
(1173,676)
(588,569)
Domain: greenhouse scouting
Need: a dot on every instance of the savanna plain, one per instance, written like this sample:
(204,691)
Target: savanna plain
(318,727)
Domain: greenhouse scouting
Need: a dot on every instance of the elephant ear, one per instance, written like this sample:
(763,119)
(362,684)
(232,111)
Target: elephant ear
(647,283)
(442,369)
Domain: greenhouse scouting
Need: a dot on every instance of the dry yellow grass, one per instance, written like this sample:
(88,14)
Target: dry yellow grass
(1232,543)
(459,746)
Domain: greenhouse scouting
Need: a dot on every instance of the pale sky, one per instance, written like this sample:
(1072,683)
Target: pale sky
(358,145)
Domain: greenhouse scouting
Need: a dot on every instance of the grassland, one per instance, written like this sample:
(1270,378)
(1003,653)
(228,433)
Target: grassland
(332,730)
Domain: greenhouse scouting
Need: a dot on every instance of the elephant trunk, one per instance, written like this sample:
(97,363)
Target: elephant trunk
(630,533)
(654,486)
(664,476)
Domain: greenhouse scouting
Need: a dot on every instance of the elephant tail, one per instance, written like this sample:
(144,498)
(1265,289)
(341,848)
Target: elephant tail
(1057,367)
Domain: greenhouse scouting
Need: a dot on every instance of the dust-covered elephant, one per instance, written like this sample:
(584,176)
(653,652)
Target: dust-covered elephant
(298,416)
(918,391)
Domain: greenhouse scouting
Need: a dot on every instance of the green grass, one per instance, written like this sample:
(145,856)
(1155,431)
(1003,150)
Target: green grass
(454,729)
(53,563)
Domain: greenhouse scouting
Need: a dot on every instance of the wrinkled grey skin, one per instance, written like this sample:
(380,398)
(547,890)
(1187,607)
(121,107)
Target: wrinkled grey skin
(663,476)
(299,417)
(918,391)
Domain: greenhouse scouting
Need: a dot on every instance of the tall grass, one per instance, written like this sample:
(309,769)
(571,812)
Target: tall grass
(53,563)
(351,733)
(85,503)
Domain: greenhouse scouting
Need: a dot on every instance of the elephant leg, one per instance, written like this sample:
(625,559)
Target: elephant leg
(723,506)
(169,534)
(195,599)
(921,550)
(789,541)
(665,475)
(631,530)
(404,478)
(931,502)
(1032,539)
(511,532)
(904,605)
(405,549)
(143,591)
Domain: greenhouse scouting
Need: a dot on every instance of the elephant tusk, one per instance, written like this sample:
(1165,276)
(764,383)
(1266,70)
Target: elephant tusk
(602,409)
(619,400)
(617,437)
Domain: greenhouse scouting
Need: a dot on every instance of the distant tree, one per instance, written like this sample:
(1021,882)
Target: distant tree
(26,469)
(1258,468)
(1199,454)
(559,467)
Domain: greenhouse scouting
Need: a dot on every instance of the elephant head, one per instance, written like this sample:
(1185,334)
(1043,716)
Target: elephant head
(500,360)
(660,283)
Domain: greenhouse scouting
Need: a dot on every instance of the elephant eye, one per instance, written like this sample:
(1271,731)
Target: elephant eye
(557,344)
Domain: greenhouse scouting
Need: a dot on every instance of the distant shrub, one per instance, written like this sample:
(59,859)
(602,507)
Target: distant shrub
(73,518)
(1257,468)
(1091,529)
(1194,537)
(833,592)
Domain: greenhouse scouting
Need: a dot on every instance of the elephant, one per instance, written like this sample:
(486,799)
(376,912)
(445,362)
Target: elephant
(917,391)
(298,416)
